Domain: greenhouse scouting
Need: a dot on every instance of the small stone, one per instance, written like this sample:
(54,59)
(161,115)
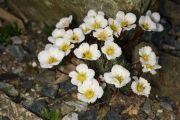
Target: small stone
(50,91)
(16,40)
(46,76)
(159,111)
(147,107)
(17,70)
(26,85)
(88,115)
(71,116)
(36,106)
(167,103)
(9,89)
(79,106)
(65,109)
(66,87)
(18,52)
(115,114)
(31,47)
(34,64)
(166,106)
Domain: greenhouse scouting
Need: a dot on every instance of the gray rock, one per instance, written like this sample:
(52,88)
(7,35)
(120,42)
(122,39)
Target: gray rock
(18,52)
(166,106)
(167,103)
(31,47)
(147,107)
(26,85)
(78,8)
(71,116)
(36,106)
(66,87)
(115,114)
(88,115)
(78,105)
(16,40)
(46,76)
(50,91)
(9,89)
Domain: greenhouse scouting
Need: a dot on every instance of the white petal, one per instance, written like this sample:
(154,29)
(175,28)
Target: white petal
(156,17)
(130,17)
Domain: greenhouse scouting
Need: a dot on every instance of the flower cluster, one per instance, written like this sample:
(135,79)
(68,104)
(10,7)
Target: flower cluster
(88,87)
(148,60)
(150,22)
(65,39)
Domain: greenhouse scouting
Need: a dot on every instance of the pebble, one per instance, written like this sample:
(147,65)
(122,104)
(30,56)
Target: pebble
(159,111)
(147,107)
(16,40)
(36,106)
(115,114)
(71,116)
(88,115)
(49,91)
(47,76)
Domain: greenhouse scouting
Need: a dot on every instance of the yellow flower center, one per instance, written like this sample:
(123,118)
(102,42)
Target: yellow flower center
(52,60)
(120,78)
(145,57)
(89,94)
(149,66)
(75,37)
(65,47)
(140,87)
(114,27)
(145,26)
(81,77)
(110,50)
(96,25)
(86,30)
(124,23)
(87,54)
(103,36)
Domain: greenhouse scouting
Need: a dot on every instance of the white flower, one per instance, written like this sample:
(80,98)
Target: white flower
(93,13)
(146,55)
(85,29)
(111,50)
(57,33)
(75,36)
(89,91)
(86,51)
(115,26)
(146,23)
(119,76)
(105,34)
(126,20)
(82,74)
(96,22)
(151,67)
(64,45)
(64,22)
(155,16)
(50,57)
(141,87)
